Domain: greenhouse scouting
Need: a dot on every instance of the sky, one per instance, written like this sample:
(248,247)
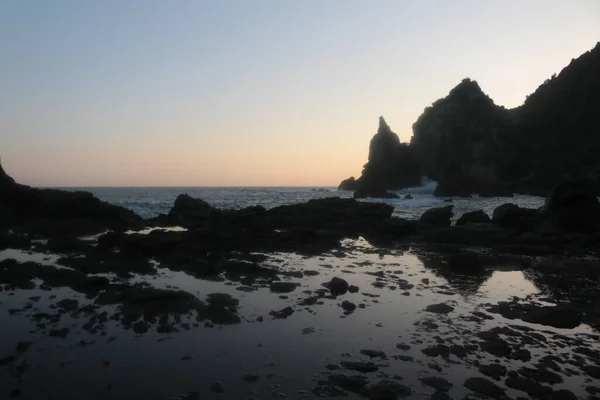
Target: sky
(253,92)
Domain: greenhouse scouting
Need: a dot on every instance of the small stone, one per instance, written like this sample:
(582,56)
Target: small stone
(348,306)
(439,308)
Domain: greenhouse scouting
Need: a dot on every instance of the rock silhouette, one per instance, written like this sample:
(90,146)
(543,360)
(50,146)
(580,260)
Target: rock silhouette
(468,144)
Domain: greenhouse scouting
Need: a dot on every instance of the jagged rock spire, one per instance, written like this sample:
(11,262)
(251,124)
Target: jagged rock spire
(383,126)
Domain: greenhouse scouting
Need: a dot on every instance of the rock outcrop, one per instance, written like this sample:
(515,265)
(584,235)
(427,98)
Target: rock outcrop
(48,211)
(391,165)
(470,145)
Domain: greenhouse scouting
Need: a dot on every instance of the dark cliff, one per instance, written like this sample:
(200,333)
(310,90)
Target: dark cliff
(471,145)
(391,164)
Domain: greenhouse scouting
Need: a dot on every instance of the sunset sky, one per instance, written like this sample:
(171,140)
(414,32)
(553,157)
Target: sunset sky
(253,92)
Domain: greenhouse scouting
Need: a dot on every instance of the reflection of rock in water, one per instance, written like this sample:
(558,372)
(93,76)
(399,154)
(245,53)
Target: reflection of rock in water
(466,271)
(570,281)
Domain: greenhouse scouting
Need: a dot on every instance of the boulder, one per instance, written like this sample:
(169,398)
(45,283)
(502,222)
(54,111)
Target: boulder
(573,205)
(348,184)
(187,209)
(512,216)
(473,217)
(438,216)
(337,286)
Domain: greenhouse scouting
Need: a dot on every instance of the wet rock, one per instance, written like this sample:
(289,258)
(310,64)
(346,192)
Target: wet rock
(61,333)
(352,383)
(562,394)
(458,350)
(186,357)
(387,390)
(436,350)
(348,306)
(283,287)
(337,286)
(592,370)
(497,347)
(541,375)
(374,353)
(404,358)
(528,386)
(495,371)
(437,383)
(557,316)
(68,304)
(485,387)
(327,390)
(439,308)
(308,331)
(437,216)
(360,366)
(403,346)
(311,273)
(309,301)
(439,395)
(140,327)
(283,313)
(521,355)
(473,217)
(353,289)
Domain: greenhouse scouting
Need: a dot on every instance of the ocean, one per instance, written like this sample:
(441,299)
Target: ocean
(151,201)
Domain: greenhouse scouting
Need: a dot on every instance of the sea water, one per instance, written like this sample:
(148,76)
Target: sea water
(151,201)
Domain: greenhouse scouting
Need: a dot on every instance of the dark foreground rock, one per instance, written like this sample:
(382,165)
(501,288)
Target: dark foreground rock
(439,216)
(49,211)
(473,217)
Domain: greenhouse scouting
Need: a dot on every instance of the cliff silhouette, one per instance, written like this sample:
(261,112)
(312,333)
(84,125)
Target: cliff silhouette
(470,145)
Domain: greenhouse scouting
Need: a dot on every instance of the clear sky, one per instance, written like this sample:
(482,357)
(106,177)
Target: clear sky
(252,92)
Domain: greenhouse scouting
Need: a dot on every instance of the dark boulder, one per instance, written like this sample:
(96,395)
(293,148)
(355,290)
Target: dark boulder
(187,209)
(473,217)
(337,286)
(438,216)
(348,184)
(573,205)
(512,216)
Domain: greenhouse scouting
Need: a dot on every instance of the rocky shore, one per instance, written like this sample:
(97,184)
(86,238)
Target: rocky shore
(98,267)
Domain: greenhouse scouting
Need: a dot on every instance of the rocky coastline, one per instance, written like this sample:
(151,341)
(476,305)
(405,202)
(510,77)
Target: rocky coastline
(102,251)
(470,145)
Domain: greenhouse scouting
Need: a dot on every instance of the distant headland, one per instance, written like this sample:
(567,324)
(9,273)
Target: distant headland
(470,145)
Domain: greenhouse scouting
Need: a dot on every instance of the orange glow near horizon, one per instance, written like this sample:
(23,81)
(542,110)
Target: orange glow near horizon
(253,93)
